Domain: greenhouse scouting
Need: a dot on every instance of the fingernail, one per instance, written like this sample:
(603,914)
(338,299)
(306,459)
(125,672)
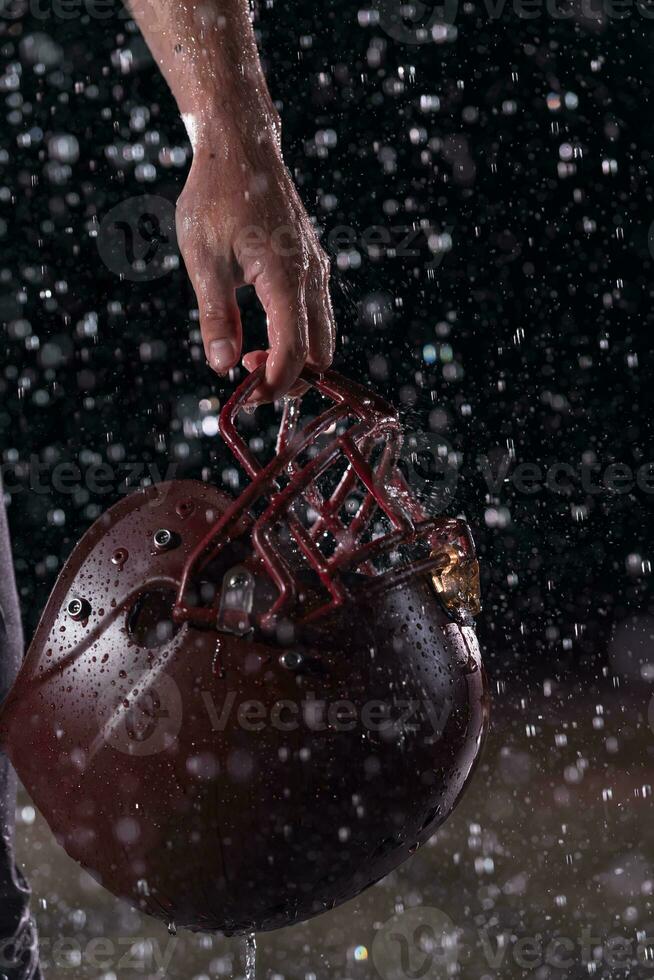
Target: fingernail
(256,398)
(222,354)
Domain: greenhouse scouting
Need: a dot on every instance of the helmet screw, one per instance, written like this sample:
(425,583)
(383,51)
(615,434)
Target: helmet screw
(78,609)
(163,539)
(291,660)
(120,556)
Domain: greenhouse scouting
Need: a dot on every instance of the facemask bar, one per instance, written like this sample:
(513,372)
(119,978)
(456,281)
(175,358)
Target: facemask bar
(284,482)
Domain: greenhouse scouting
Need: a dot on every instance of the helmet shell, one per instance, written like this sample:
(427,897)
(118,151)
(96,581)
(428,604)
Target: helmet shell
(236,783)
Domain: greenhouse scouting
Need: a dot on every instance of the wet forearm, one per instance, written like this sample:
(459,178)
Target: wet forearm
(239,218)
(208,55)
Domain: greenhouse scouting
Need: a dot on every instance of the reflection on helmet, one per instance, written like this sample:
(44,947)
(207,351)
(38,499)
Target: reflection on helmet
(239,713)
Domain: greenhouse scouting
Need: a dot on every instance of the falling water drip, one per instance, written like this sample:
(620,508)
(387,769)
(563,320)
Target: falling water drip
(251,957)
(172,929)
(217,666)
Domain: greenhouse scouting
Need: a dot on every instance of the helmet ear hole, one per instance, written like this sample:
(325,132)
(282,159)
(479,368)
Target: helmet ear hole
(150,622)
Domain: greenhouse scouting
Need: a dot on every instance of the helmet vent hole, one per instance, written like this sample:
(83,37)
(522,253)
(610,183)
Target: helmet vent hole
(151,619)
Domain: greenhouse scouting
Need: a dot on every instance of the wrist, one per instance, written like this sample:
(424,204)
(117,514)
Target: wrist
(220,123)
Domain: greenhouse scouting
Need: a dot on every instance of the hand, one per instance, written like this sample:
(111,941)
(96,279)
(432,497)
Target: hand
(240,220)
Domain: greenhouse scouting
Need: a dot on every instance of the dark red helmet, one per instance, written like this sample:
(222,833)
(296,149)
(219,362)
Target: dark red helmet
(239,713)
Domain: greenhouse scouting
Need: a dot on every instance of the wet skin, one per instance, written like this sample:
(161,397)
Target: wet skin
(240,219)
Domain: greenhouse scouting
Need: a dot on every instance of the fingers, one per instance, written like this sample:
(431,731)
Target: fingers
(252,360)
(300,323)
(320,315)
(292,283)
(255,358)
(281,290)
(220,318)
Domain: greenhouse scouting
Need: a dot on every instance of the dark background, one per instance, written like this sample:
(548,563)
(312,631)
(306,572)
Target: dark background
(544,297)
(531,336)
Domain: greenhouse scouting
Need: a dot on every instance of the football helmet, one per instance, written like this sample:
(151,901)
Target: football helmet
(237,713)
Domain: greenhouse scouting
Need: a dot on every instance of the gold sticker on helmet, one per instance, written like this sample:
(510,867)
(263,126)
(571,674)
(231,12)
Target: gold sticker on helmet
(457,582)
